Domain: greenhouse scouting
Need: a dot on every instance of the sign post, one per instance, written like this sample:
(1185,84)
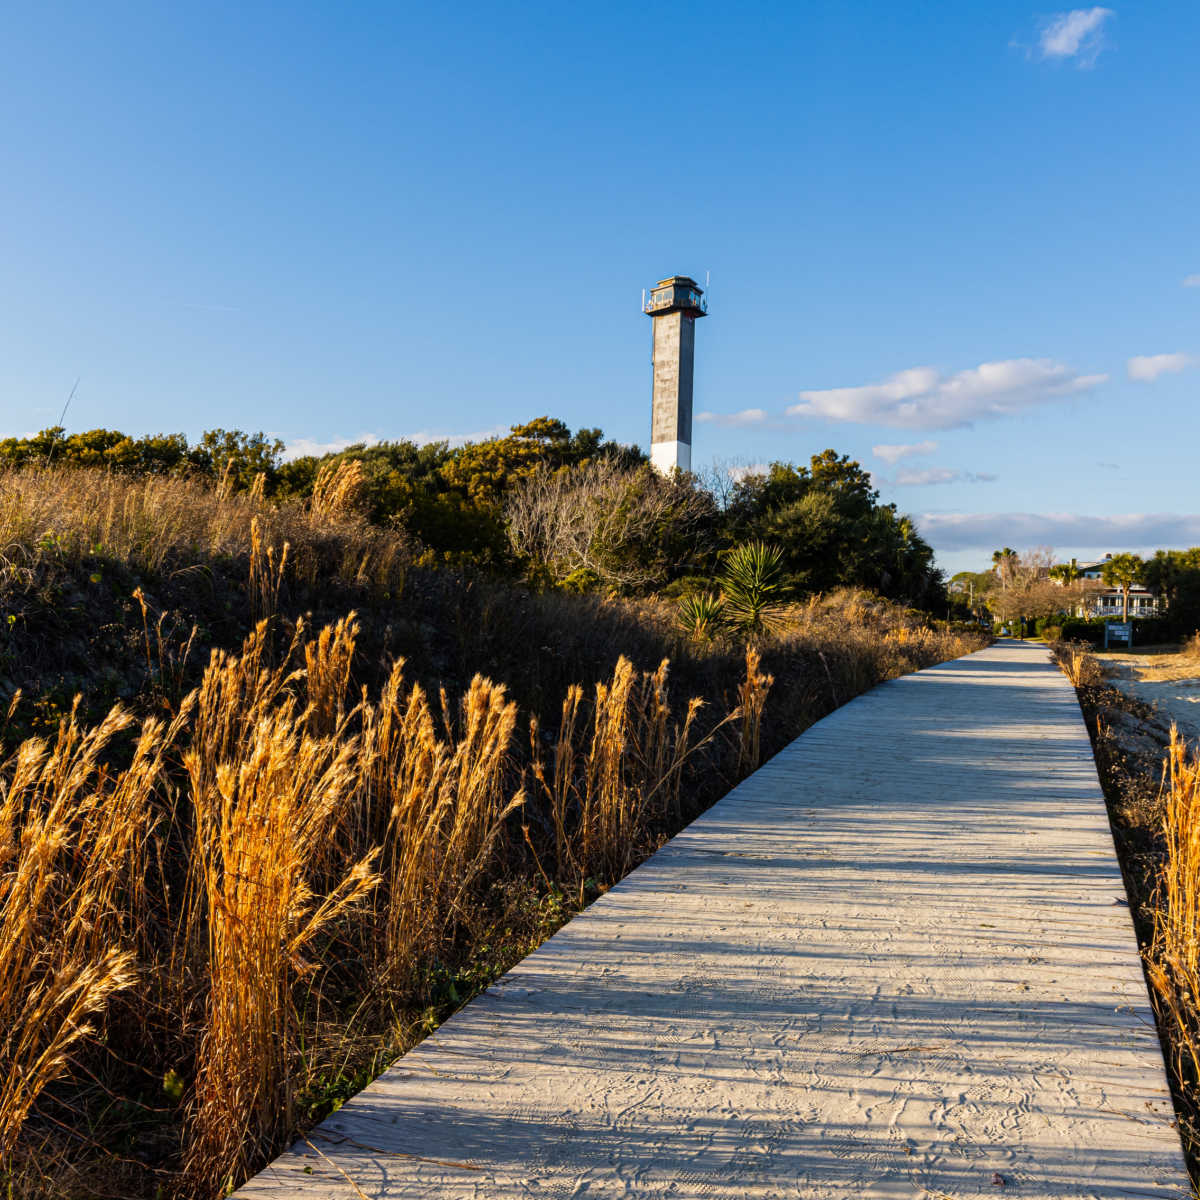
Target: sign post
(1118,631)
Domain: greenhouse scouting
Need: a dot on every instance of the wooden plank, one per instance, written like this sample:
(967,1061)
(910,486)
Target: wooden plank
(894,962)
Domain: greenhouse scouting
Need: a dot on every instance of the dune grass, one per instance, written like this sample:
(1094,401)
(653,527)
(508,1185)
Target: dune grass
(1153,795)
(229,898)
(1173,956)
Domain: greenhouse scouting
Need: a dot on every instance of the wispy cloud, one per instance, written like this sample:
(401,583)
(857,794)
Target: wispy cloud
(302,447)
(935,475)
(425,436)
(922,398)
(744,470)
(1078,35)
(894,453)
(1132,531)
(737,420)
(1148,367)
(1191,281)
(305,447)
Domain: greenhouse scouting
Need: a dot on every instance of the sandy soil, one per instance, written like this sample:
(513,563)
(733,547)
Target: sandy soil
(1163,678)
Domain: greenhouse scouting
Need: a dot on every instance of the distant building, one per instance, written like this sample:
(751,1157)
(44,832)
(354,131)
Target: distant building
(1108,601)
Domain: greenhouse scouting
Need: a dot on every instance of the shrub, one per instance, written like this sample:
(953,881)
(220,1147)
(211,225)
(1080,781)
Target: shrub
(702,616)
(1078,630)
(1078,664)
(751,581)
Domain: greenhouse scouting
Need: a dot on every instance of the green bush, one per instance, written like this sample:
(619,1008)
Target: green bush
(581,580)
(685,585)
(1079,630)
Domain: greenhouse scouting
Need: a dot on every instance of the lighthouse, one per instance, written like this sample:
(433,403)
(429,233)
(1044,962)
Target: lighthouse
(675,305)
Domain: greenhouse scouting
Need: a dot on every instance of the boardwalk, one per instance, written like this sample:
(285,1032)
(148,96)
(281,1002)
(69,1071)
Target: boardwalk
(895,962)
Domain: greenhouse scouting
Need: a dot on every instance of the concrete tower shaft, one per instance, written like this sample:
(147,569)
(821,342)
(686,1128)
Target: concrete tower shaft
(674,304)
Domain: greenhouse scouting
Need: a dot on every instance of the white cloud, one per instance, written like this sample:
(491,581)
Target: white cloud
(1148,367)
(304,447)
(1191,281)
(425,436)
(1077,34)
(894,453)
(1132,531)
(301,447)
(935,475)
(921,398)
(748,416)
(744,470)
(930,475)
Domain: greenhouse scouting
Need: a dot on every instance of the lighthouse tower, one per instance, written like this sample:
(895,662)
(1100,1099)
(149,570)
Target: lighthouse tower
(674,304)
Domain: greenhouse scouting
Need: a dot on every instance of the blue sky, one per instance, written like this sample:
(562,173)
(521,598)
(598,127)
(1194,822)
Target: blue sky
(964,234)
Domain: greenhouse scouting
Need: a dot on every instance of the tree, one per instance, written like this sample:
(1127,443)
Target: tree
(1004,563)
(239,457)
(969,588)
(1175,577)
(157,454)
(832,531)
(1123,571)
(452,499)
(1066,573)
(630,527)
(1022,588)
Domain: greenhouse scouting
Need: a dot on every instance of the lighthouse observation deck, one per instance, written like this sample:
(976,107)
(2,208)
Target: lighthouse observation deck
(677,294)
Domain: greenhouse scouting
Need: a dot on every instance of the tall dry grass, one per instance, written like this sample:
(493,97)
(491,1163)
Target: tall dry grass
(312,828)
(74,858)
(613,772)
(439,806)
(1079,664)
(264,810)
(286,855)
(1191,647)
(66,514)
(752,701)
(1173,958)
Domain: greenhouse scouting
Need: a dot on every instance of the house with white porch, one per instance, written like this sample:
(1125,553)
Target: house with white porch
(1106,601)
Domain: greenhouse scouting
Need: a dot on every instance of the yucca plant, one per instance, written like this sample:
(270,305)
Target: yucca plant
(752,583)
(702,616)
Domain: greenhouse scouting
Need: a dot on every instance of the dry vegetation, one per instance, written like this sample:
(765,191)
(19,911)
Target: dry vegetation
(1151,780)
(1173,959)
(228,900)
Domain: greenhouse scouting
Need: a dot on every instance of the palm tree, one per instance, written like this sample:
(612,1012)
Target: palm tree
(1066,573)
(1123,571)
(1003,562)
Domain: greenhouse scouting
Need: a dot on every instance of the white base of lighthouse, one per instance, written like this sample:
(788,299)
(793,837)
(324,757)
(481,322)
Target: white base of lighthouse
(666,456)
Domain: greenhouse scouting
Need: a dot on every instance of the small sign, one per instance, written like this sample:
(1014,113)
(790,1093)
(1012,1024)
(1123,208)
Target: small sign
(1118,631)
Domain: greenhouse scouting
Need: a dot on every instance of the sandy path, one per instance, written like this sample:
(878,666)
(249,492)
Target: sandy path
(895,962)
(1172,691)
